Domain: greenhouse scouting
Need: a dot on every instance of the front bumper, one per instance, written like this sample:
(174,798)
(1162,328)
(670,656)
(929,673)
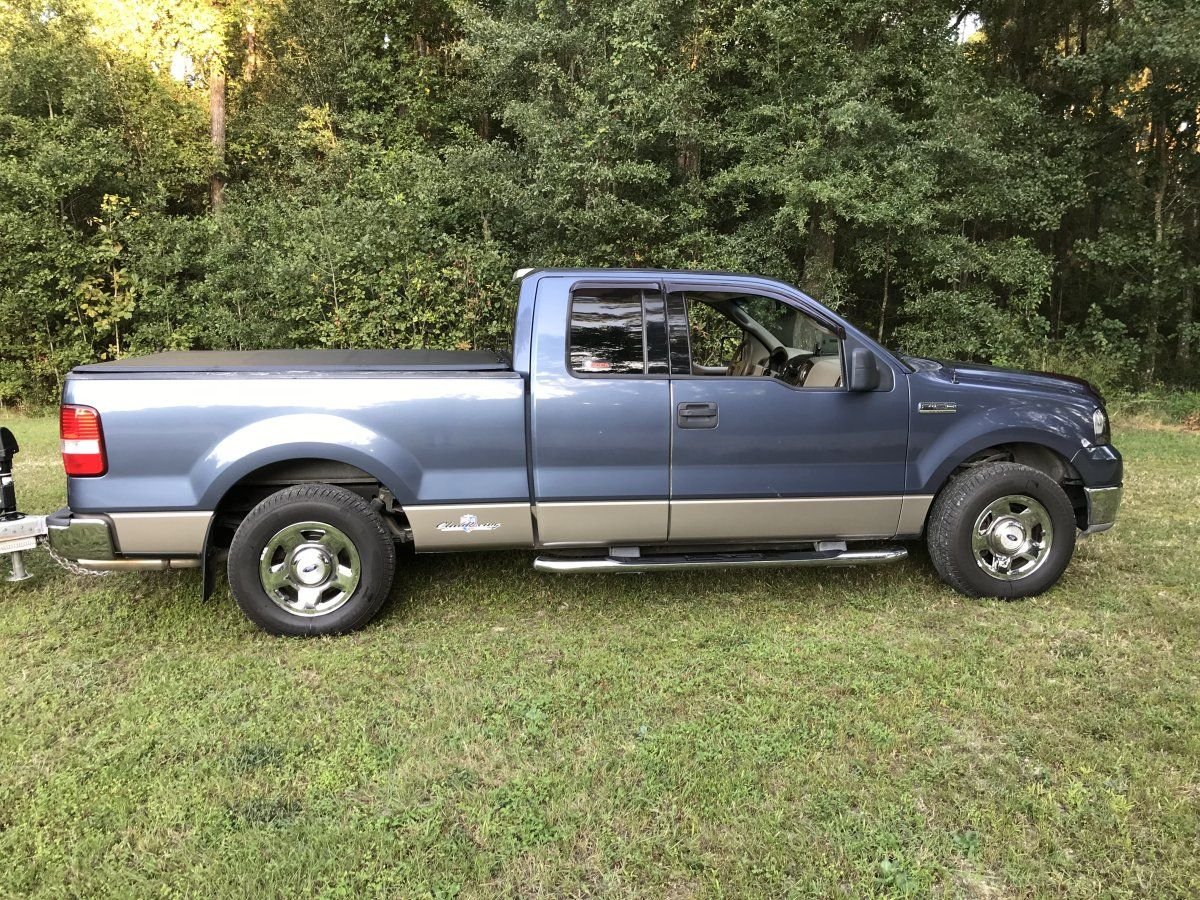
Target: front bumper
(1102,506)
(1099,464)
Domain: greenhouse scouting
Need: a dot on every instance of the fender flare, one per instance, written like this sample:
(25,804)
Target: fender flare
(937,476)
(259,444)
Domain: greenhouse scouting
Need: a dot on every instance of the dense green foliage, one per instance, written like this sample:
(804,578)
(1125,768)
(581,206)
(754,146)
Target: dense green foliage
(1029,196)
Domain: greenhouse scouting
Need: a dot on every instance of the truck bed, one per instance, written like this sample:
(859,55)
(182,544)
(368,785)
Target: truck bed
(302,361)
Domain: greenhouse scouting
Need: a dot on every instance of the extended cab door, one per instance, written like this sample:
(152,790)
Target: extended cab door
(600,413)
(768,444)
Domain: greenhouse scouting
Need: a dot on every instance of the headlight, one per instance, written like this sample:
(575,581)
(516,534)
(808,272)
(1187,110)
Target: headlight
(1100,425)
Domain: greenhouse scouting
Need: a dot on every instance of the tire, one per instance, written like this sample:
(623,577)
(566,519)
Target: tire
(311,559)
(983,533)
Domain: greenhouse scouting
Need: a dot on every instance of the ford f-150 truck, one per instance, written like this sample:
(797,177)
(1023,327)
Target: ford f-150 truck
(644,420)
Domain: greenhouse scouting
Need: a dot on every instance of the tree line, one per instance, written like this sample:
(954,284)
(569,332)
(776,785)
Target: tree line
(999,180)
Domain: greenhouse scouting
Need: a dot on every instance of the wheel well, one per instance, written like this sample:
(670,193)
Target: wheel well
(256,486)
(1045,460)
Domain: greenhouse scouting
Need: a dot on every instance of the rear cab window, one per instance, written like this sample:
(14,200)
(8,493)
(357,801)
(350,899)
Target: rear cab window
(617,331)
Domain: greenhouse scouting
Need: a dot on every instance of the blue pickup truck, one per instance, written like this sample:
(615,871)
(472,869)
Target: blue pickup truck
(644,420)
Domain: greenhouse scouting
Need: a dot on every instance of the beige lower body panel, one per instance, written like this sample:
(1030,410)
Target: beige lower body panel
(602,523)
(161,533)
(913,513)
(785,519)
(474,526)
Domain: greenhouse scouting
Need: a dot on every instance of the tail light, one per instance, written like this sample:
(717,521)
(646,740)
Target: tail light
(82,441)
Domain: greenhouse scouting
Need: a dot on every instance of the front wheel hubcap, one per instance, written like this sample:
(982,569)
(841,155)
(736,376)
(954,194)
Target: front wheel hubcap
(310,568)
(1012,537)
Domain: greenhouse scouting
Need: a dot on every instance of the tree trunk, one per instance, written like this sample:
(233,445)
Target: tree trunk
(1187,315)
(818,257)
(1159,139)
(887,277)
(216,110)
(1183,345)
(251,65)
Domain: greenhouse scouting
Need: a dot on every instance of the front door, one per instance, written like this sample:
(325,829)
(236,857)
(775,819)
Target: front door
(768,445)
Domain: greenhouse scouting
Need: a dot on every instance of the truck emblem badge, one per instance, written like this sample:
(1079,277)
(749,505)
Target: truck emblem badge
(467,524)
(936,406)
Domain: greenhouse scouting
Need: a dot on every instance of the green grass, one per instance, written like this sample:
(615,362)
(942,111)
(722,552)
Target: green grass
(501,732)
(1156,407)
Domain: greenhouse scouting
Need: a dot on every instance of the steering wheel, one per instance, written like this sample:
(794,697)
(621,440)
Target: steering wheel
(777,363)
(786,368)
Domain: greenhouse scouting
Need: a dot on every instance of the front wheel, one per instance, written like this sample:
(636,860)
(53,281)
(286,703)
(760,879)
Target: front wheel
(1001,530)
(311,559)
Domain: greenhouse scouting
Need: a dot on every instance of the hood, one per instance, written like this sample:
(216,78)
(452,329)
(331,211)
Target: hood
(978,373)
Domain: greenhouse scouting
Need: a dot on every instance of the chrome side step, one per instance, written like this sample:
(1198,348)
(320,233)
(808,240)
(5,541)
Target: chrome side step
(749,559)
(139,564)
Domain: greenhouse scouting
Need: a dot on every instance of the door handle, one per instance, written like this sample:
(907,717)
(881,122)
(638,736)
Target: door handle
(697,415)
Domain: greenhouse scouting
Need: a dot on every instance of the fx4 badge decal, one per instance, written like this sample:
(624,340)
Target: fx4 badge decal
(467,524)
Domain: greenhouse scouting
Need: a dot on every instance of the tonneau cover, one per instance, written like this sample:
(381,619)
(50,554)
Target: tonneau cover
(303,361)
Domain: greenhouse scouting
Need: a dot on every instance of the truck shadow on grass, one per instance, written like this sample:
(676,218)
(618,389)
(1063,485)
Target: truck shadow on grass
(432,586)
(493,589)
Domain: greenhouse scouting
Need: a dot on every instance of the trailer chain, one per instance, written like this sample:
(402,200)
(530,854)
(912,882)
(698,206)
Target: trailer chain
(70,565)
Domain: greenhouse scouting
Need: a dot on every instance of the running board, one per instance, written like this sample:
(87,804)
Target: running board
(565,565)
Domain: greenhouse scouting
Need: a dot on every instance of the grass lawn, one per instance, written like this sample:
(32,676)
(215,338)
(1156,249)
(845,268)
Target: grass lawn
(501,732)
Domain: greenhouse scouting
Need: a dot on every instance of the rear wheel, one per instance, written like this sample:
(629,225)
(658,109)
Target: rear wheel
(311,559)
(1001,530)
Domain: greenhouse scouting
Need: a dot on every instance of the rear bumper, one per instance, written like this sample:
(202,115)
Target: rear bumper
(1102,506)
(90,540)
(80,537)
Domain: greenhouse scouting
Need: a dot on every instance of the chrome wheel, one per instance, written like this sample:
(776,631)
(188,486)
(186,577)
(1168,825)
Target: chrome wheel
(309,569)
(1012,537)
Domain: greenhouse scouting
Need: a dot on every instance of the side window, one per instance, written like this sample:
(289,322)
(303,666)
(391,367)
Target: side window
(607,333)
(754,336)
(714,338)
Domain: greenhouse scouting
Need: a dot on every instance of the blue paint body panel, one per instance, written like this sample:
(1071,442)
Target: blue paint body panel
(776,441)
(181,442)
(535,432)
(996,407)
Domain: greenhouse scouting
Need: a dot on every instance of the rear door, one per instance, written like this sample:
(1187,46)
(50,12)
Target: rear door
(600,413)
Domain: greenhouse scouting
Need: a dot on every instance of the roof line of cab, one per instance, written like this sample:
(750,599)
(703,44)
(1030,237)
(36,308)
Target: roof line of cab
(741,278)
(618,273)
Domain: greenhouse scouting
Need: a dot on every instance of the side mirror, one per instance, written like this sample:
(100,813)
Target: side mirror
(864,370)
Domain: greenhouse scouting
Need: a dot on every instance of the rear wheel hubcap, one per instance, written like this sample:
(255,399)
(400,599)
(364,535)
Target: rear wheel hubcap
(310,568)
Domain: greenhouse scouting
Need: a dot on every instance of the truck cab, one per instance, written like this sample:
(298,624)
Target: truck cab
(706,408)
